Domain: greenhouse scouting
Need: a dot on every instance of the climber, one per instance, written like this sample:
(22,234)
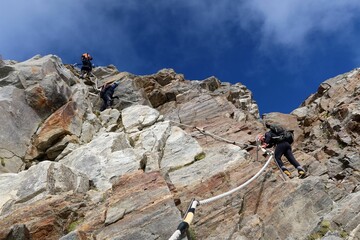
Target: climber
(281,139)
(106,93)
(86,65)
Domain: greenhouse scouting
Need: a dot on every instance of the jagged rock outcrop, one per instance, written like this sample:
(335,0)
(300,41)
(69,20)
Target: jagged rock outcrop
(16,130)
(39,181)
(72,172)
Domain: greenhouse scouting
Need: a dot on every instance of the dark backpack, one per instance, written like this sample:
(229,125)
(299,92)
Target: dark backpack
(281,134)
(103,90)
(108,89)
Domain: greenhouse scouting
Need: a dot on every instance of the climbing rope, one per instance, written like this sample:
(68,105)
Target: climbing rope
(189,216)
(96,81)
(205,201)
(184,225)
(242,145)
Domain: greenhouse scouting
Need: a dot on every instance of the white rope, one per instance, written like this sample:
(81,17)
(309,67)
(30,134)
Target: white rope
(205,201)
(96,81)
(184,225)
(176,235)
(189,217)
(93,94)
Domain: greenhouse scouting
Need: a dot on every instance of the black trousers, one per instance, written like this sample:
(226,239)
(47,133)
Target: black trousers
(107,102)
(284,148)
(86,66)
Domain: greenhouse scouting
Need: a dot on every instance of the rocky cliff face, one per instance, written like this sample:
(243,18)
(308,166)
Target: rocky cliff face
(69,171)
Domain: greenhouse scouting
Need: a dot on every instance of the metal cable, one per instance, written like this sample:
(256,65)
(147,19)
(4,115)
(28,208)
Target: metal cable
(242,145)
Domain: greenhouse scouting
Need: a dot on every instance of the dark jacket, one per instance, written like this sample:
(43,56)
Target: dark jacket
(108,90)
(269,138)
(86,62)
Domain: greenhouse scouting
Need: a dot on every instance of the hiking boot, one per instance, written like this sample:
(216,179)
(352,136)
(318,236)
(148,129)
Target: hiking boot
(287,173)
(302,173)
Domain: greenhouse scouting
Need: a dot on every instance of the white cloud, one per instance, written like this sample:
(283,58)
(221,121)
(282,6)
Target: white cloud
(290,22)
(42,26)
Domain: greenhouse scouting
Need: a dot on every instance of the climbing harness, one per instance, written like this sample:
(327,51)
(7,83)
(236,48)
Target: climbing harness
(189,216)
(75,65)
(258,142)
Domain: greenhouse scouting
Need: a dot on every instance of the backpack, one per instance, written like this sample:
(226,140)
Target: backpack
(281,134)
(103,90)
(108,89)
(86,56)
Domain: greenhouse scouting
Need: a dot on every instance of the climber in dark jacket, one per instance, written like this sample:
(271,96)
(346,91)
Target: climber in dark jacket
(86,64)
(282,147)
(106,93)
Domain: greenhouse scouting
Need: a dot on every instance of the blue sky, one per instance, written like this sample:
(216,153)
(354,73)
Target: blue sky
(280,49)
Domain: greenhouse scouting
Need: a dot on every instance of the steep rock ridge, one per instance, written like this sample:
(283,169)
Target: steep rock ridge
(330,117)
(327,144)
(118,174)
(331,129)
(19,83)
(99,147)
